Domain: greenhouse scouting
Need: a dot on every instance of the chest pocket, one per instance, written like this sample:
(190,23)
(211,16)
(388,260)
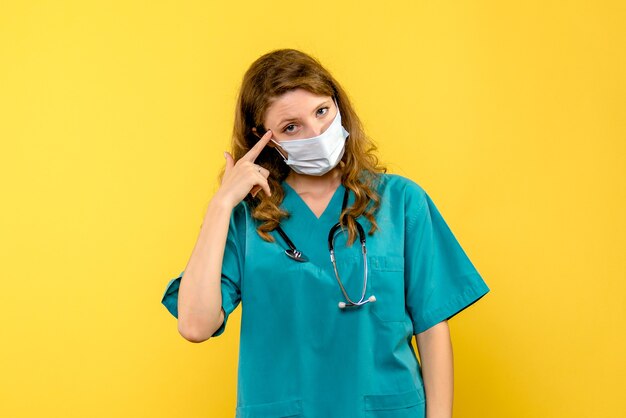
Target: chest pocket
(387,284)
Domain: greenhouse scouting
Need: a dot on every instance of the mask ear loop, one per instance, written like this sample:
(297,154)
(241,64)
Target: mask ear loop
(277,150)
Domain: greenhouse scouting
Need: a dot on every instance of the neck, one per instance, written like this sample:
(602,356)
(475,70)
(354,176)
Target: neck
(303,183)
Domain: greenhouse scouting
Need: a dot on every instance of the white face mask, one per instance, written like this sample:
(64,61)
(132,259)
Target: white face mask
(318,155)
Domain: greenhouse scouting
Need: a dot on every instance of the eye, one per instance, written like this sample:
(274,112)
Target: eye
(289,128)
(322,110)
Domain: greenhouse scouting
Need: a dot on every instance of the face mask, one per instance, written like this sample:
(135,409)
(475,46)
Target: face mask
(318,155)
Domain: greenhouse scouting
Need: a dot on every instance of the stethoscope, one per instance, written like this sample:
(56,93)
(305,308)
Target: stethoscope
(296,255)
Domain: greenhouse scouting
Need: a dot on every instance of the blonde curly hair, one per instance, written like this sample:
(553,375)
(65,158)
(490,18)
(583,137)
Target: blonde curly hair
(270,76)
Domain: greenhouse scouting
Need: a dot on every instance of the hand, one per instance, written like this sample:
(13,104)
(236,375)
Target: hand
(245,176)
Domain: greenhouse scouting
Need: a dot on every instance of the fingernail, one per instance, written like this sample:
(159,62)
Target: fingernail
(225,154)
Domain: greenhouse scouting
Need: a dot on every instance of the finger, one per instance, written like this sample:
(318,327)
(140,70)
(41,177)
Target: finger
(264,185)
(266,188)
(264,171)
(230,162)
(255,190)
(258,147)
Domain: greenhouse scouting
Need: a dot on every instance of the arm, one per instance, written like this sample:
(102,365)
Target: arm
(200,296)
(435,349)
(200,311)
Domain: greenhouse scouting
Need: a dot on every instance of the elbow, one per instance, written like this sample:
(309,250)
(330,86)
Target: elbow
(192,335)
(195,333)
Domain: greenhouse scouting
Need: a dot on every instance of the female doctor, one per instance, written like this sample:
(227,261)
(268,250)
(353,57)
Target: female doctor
(336,263)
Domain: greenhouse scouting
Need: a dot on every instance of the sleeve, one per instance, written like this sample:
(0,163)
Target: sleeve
(441,281)
(232,270)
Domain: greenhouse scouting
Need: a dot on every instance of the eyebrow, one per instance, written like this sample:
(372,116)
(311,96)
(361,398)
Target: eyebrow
(288,119)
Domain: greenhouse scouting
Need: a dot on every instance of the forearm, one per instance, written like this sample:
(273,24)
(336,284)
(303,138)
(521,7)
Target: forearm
(200,296)
(435,349)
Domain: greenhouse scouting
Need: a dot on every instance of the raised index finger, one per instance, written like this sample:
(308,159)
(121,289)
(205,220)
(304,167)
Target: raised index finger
(257,148)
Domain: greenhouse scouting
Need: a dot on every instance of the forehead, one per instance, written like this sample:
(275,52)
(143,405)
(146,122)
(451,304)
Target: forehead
(293,103)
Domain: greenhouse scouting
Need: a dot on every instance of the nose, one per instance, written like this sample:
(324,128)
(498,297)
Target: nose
(319,128)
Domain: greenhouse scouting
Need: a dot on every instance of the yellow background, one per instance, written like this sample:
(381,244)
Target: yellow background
(113,119)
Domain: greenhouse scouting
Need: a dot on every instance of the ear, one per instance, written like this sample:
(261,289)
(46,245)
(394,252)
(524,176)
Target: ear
(269,144)
(254,131)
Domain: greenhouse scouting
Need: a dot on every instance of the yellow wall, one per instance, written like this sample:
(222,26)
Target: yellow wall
(113,119)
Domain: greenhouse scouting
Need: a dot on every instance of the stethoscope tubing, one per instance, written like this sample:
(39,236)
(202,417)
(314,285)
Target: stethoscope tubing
(297,255)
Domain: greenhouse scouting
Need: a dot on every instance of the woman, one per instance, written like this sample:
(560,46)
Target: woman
(328,311)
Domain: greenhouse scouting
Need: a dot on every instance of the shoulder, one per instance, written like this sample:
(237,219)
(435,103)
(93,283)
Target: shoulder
(395,186)
(402,197)
(241,210)
(241,218)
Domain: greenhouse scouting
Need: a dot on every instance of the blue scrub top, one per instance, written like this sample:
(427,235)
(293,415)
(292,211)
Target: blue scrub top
(302,356)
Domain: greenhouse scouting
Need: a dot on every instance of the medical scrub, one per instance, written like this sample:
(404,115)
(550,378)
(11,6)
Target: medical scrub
(301,355)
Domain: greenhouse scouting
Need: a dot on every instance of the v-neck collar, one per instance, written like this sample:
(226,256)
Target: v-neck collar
(292,195)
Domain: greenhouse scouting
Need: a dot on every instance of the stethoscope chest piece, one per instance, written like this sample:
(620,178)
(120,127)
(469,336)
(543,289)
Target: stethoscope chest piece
(296,255)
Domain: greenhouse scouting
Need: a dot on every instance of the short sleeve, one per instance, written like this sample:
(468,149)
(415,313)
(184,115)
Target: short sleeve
(441,281)
(232,270)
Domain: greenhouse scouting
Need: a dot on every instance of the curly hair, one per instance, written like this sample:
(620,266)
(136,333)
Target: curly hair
(270,76)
